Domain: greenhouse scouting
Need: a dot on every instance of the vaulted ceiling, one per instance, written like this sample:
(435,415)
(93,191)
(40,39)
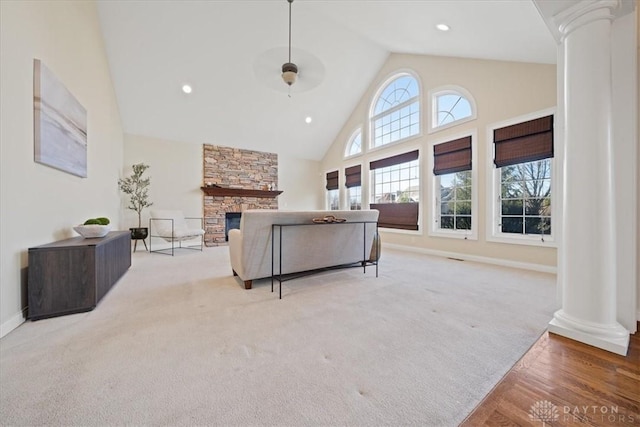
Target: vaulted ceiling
(231,52)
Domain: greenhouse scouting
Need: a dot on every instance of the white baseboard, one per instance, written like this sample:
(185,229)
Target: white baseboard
(15,321)
(475,258)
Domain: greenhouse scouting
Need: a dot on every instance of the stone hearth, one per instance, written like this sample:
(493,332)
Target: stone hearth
(235,168)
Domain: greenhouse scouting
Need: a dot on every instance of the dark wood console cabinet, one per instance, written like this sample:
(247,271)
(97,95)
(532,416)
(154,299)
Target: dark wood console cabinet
(72,275)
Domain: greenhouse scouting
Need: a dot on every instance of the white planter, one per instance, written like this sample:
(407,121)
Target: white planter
(92,230)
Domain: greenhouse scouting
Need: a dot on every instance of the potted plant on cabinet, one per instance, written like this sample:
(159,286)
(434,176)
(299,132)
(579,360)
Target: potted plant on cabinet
(137,188)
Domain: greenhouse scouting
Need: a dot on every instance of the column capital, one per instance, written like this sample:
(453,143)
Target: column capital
(584,13)
(564,17)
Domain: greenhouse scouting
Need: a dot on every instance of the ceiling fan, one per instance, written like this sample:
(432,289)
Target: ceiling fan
(304,75)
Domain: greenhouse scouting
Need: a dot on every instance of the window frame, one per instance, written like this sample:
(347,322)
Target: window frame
(494,189)
(449,90)
(327,193)
(372,117)
(348,189)
(433,180)
(371,185)
(350,141)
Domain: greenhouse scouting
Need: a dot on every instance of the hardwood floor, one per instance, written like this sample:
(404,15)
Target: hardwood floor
(565,383)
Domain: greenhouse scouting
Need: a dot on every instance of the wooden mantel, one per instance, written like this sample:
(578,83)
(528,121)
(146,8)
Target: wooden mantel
(238,192)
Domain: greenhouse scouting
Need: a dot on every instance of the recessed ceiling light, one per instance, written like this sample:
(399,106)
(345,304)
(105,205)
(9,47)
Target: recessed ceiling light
(308,120)
(442,27)
(186,88)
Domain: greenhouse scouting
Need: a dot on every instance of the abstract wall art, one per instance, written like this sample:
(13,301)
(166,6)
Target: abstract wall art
(60,124)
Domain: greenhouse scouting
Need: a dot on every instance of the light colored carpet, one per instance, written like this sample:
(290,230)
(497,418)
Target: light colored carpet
(178,341)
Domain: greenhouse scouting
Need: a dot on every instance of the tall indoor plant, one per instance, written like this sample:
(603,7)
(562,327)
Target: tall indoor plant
(137,188)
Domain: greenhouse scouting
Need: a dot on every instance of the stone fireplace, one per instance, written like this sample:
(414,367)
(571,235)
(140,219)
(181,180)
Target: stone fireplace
(235,180)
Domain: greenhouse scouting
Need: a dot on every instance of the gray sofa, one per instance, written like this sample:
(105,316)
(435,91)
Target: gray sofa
(304,248)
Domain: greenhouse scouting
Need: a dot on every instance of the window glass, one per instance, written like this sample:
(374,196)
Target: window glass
(525,198)
(396,184)
(355,198)
(355,145)
(333,200)
(451,107)
(455,201)
(396,114)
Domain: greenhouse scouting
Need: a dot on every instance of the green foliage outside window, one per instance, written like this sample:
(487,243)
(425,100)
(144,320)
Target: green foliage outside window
(455,201)
(526,198)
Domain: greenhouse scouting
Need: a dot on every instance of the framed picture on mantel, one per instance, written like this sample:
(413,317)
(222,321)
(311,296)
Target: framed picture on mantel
(60,124)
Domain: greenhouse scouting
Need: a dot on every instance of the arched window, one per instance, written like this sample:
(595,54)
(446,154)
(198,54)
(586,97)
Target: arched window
(451,106)
(354,146)
(396,112)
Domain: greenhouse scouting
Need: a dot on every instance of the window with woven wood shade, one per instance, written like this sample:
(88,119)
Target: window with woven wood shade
(394,160)
(398,214)
(452,156)
(353,176)
(403,216)
(332,180)
(524,142)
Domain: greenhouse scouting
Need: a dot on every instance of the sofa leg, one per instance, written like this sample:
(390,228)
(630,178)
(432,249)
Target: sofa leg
(247,284)
(234,272)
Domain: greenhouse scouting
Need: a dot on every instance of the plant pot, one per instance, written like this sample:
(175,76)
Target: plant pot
(91,231)
(139,233)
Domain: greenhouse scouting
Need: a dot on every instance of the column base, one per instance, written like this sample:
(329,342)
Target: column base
(613,338)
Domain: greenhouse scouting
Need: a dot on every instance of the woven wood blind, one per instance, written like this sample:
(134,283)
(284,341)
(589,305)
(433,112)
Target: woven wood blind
(397,215)
(394,160)
(332,180)
(524,142)
(353,176)
(452,156)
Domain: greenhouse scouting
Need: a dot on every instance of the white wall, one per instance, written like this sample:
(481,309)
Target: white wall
(502,91)
(40,204)
(298,178)
(176,177)
(175,170)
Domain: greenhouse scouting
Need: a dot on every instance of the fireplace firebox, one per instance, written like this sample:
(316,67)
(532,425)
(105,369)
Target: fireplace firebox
(231,221)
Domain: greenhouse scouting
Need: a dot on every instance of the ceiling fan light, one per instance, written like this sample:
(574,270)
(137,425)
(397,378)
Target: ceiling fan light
(289,73)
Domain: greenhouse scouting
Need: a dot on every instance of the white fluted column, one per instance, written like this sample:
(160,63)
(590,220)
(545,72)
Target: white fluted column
(587,252)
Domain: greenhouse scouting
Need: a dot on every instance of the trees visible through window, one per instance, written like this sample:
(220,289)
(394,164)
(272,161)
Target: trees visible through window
(455,201)
(452,167)
(397,183)
(523,156)
(396,114)
(353,182)
(333,200)
(333,192)
(525,193)
(355,198)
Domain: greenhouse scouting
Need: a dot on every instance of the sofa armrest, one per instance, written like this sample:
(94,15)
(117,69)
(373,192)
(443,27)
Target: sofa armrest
(235,251)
